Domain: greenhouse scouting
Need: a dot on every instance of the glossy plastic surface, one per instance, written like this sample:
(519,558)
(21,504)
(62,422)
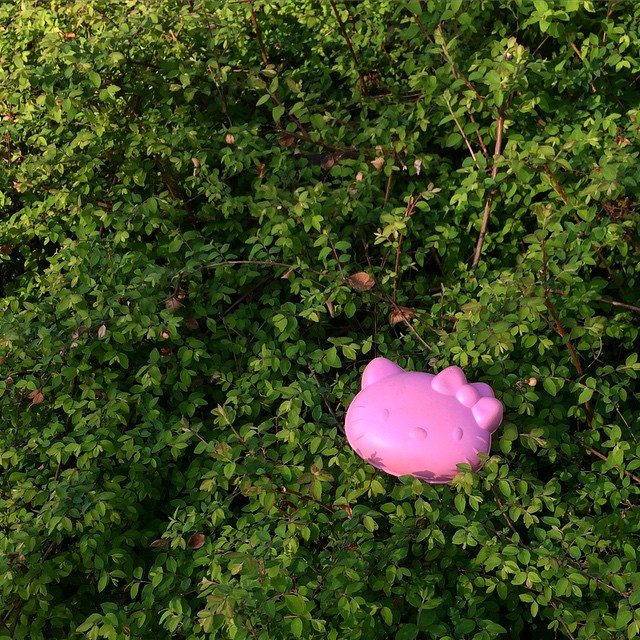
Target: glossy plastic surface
(420,424)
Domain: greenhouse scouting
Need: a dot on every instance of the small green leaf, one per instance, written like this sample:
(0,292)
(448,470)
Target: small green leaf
(295,604)
(369,523)
(296,627)
(550,386)
(585,395)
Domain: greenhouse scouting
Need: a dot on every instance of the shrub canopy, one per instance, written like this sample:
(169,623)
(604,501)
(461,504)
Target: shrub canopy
(212,214)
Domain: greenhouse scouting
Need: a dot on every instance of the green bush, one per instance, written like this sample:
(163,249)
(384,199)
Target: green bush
(213,214)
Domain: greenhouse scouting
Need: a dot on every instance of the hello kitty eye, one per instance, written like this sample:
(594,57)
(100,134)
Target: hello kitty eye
(457,433)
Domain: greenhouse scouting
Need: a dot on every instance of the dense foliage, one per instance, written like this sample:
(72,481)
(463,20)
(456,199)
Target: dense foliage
(213,213)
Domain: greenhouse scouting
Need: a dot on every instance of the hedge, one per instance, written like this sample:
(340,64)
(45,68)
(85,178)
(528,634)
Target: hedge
(213,214)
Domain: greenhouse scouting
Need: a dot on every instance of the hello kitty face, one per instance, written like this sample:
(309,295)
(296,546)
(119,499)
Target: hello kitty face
(414,423)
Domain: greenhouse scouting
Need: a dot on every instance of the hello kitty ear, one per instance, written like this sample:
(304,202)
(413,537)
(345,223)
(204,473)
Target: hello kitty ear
(378,369)
(449,380)
(487,413)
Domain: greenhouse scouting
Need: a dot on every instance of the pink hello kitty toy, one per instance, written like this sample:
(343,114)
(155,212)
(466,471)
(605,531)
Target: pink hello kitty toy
(413,423)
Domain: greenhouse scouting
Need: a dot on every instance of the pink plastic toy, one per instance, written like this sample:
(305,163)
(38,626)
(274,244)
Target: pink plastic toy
(413,423)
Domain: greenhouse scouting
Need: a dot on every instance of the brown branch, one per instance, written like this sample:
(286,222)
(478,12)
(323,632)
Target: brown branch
(505,515)
(258,31)
(487,207)
(388,189)
(295,120)
(286,490)
(607,266)
(577,51)
(345,35)
(556,184)
(324,396)
(602,457)
(454,69)
(562,622)
(563,196)
(221,93)
(561,331)
(559,327)
(624,305)
(462,133)
(407,213)
(485,151)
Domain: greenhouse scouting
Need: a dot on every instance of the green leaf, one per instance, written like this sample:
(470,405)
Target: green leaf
(407,631)
(369,523)
(95,79)
(415,6)
(295,604)
(296,627)
(550,386)
(585,395)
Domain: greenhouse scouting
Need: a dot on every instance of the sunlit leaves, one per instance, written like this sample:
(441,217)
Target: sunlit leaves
(205,235)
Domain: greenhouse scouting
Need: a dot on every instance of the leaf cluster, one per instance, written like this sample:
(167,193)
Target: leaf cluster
(213,214)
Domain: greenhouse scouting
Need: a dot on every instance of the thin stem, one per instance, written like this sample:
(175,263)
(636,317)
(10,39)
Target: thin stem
(463,134)
(258,31)
(388,189)
(615,303)
(602,457)
(407,213)
(345,35)
(487,207)
(286,490)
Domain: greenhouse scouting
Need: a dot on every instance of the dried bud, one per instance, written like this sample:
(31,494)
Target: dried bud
(196,541)
(361,281)
(172,303)
(400,314)
(158,544)
(36,397)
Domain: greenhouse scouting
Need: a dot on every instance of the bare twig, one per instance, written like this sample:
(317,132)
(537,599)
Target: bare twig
(602,457)
(505,515)
(345,35)
(324,396)
(286,491)
(487,207)
(219,86)
(563,196)
(411,205)
(258,31)
(562,622)
(454,69)
(462,133)
(559,327)
(485,151)
(388,189)
(623,305)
